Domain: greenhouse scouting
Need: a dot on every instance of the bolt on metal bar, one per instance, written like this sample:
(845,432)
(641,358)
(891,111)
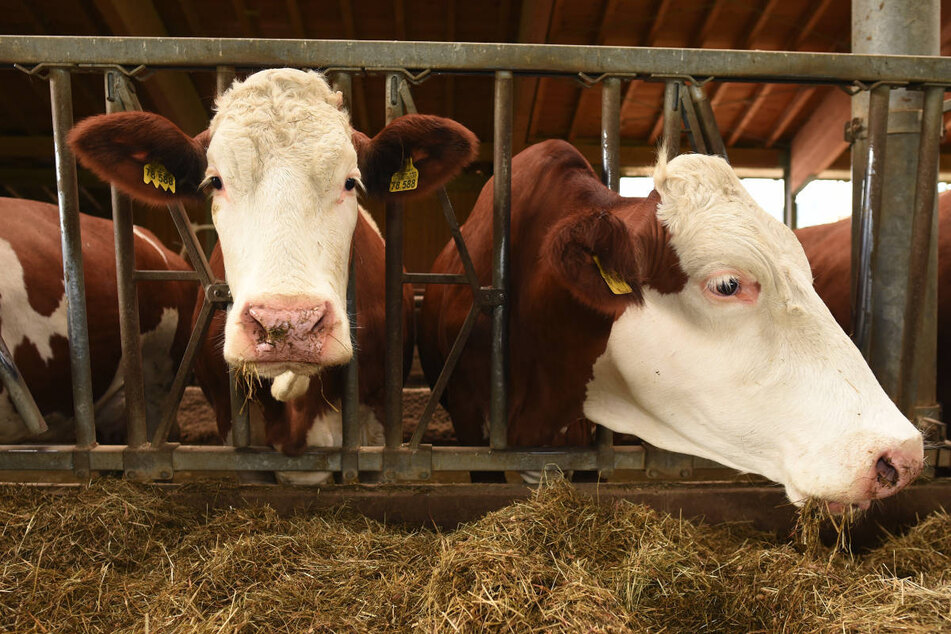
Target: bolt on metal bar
(174,396)
(350,400)
(672,117)
(447,369)
(501,226)
(61,97)
(19,393)
(923,222)
(708,121)
(133,379)
(393,377)
(869,214)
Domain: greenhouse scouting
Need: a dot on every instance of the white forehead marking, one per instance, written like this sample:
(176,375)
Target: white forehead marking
(715,224)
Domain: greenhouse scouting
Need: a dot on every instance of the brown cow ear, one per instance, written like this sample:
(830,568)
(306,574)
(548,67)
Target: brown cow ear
(423,151)
(143,154)
(594,257)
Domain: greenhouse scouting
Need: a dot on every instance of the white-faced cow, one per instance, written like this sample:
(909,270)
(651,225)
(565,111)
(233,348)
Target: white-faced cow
(829,249)
(687,318)
(33,320)
(283,167)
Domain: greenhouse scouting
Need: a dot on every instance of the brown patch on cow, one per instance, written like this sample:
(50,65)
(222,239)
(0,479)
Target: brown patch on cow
(117,146)
(439,147)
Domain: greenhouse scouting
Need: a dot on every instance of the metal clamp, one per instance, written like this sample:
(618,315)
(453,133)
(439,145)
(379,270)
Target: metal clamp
(414,79)
(687,78)
(147,464)
(588,81)
(218,292)
(42,70)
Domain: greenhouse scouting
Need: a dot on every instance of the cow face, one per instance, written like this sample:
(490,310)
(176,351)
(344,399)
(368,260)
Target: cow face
(283,167)
(728,353)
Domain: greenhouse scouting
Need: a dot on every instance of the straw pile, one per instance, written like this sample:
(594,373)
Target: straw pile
(117,557)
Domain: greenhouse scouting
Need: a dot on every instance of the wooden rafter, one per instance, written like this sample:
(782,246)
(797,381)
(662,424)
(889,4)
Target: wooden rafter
(820,141)
(607,11)
(244,20)
(763,91)
(534,26)
(295,19)
(659,13)
(360,111)
(703,34)
(803,95)
(399,19)
(449,82)
(191,17)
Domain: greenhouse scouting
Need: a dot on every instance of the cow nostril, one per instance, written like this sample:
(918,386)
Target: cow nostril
(885,473)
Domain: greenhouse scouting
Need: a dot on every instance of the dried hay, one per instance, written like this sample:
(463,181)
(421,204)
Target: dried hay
(118,557)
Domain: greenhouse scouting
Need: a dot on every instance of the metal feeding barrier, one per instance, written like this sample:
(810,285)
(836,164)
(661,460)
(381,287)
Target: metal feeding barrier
(148,454)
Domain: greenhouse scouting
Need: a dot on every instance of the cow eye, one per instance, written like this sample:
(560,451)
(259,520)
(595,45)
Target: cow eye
(349,184)
(726,286)
(215,182)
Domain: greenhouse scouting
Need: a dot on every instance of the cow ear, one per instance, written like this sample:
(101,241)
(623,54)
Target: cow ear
(594,256)
(435,147)
(143,154)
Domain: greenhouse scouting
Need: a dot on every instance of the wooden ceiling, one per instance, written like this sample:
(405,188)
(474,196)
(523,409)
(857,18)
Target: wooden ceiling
(759,122)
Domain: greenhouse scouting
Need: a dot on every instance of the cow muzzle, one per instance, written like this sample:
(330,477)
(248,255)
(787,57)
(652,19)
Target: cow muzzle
(285,331)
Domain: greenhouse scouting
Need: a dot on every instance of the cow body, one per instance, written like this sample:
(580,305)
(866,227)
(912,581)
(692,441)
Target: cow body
(33,319)
(712,341)
(829,249)
(283,168)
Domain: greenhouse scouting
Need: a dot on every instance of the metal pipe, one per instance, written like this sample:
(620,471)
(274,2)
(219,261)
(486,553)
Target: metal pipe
(393,377)
(692,123)
(374,55)
(501,226)
(611,132)
(672,117)
(19,393)
(708,121)
(919,259)
(240,405)
(224,77)
(869,214)
(350,402)
(166,276)
(61,98)
(790,213)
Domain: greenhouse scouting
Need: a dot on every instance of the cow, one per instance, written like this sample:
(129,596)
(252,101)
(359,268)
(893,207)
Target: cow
(33,320)
(283,167)
(687,318)
(828,248)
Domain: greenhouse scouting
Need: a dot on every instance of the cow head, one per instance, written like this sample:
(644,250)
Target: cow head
(283,168)
(722,348)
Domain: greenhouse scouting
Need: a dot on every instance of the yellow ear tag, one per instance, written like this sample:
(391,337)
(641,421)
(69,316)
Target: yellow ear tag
(611,278)
(156,174)
(406,179)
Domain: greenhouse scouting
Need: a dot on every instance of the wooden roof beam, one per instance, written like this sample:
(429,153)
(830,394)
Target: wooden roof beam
(763,91)
(651,38)
(820,141)
(803,95)
(361,111)
(534,26)
(607,11)
(296,20)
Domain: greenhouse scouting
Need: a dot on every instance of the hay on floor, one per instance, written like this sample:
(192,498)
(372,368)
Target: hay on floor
(117,557)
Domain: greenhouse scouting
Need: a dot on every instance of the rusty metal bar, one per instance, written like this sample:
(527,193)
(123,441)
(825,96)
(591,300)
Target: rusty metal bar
(174,396)
(447,369)
(611,132)
(350,399)
(672,117)
(61,98)
(707,120)
(19,392)
(922,228)
(196,257)
(501,226)
(790,213)
(738,65)
(133,380)
(869,215)
(393,377)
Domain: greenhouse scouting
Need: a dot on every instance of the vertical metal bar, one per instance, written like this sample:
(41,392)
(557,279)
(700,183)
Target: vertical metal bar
(869,214)
(133,380)
(224,77)
(708,121)
(19,393)
(62,106)
(790,213)
(610,163)
(240,414)
(393,377)
(350,402)
(692,123)
(611,132)
(672,117)
(501,225)
(919,257)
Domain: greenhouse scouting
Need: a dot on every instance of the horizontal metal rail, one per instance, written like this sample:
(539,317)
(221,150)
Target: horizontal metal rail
(371,55)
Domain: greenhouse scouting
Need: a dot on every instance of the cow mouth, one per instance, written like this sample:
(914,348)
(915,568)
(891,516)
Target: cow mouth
(254,371)
(843,508)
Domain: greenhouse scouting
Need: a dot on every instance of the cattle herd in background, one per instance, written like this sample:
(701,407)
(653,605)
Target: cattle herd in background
(687,318)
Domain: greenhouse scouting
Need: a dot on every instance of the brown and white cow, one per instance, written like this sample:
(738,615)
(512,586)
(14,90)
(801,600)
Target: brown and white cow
(33,319)
(716,344)
(283,166)
(829,249)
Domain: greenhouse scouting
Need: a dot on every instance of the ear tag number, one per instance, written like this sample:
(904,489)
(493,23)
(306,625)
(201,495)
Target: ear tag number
(613,280)
(406,179)
(156,174)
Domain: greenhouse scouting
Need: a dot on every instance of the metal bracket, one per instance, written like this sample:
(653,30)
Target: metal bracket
(687,78)
(489,297)
(414,79)
(588,81)
(855,129)
(218,293)
(81,465)
(42,70)
(147,464)
(408,463)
